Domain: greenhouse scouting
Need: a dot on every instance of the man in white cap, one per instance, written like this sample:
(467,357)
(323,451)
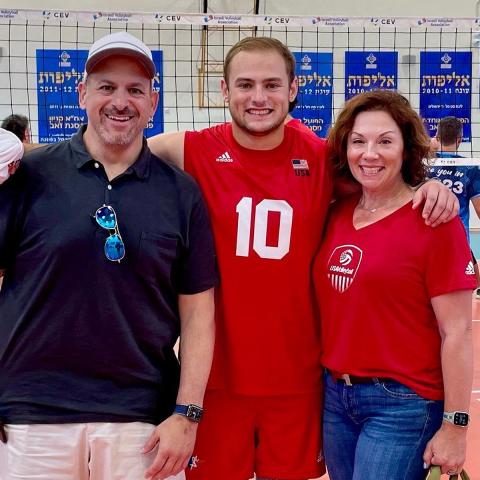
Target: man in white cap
(108,257)
(11,152)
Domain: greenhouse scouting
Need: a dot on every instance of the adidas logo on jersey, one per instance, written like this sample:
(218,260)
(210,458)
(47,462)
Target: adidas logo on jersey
(470,270)
(225,158)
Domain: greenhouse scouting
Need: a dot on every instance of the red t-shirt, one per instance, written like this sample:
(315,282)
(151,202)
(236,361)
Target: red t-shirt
(268,211)
(299,125)
(374,287)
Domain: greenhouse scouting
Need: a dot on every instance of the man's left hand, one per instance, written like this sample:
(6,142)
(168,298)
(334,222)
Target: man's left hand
(441,205)
(175,438)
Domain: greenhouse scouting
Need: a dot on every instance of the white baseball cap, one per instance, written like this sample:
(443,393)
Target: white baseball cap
(11,151)
(120,43)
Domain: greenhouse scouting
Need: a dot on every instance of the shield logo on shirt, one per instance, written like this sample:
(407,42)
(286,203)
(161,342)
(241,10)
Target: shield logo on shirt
(343,266)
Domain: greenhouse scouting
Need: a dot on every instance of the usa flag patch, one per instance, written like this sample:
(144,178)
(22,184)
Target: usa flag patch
(300,167)
(299,164)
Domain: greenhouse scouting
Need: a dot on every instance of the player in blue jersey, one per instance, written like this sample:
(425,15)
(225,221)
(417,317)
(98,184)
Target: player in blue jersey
(463,181)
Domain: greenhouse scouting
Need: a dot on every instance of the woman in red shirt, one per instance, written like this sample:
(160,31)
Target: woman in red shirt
(395,302)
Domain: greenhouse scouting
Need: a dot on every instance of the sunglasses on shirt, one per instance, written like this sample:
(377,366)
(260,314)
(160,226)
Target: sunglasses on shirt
(114,247)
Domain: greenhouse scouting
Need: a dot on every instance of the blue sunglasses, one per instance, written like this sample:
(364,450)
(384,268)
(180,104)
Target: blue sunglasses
(114,247)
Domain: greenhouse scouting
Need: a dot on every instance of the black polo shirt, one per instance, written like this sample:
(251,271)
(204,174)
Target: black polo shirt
(82,338)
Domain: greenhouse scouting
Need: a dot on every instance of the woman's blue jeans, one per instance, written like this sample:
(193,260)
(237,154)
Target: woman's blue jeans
(377,430)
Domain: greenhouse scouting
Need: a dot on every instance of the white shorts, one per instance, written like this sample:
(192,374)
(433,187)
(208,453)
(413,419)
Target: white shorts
(77,451)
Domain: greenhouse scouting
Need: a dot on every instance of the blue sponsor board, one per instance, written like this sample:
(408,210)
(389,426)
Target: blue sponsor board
(446,88)
(368,70)
(58,74)
(315,82)
(155,125)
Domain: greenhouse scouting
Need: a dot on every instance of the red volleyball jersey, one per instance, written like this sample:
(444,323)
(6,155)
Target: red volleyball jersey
(374,287)
(268,211)
(299,125)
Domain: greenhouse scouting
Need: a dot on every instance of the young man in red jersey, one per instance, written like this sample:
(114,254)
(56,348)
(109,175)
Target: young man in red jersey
(268,188)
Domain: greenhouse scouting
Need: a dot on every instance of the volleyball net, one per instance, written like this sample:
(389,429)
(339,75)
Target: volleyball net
(432,61)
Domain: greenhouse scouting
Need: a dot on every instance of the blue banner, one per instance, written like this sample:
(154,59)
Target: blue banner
(58,75)
(368,70)
(315,80)
(156,124)
(445,89)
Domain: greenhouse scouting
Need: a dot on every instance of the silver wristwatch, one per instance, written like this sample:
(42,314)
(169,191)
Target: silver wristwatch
(460,419)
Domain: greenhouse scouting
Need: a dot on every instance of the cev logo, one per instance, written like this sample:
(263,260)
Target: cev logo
(383,21)
(61,14)
(282,20)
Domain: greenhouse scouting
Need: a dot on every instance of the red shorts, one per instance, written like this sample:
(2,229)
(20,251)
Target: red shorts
(274,437)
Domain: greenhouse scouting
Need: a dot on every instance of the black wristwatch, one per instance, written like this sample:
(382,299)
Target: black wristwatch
(193,412)
(460,419)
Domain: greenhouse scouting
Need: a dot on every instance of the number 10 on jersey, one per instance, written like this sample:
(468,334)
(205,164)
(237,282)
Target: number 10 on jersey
(260,227)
